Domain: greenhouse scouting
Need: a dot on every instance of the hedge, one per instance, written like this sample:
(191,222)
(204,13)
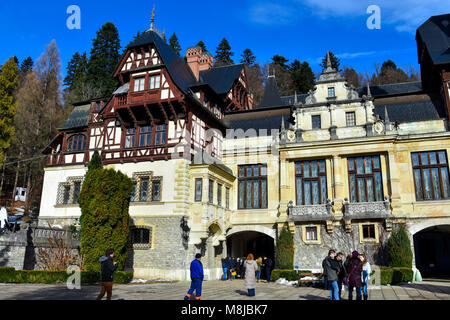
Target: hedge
(10,275)
(289,275)
(395,275)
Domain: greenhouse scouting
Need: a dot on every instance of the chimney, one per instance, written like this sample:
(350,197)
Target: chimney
(198,60)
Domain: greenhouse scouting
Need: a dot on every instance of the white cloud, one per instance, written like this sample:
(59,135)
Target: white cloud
(404,15)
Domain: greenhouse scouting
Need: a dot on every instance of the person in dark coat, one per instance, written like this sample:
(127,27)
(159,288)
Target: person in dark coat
(108,267)
(268,266)
(342,272)
(197,277)
(354,271)
(331,269)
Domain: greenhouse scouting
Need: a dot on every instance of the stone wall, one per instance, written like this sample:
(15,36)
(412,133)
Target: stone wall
(12,249)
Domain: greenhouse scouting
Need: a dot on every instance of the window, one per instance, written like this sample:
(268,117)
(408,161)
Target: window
(129,139)
(252,187)
(210,191)
(198,190)
(66,195)
(316,122)
(311,234)
(431,176)
(227,198)
(76,143)
(219,194)
(139,84)
(140,236)
(365,181)
(160,136)
(76,191)
(145,182)
(156,190)
(311,182)
(155,82)
(331,93)
(145,136)
(133,193)
(368,231)
(350,118)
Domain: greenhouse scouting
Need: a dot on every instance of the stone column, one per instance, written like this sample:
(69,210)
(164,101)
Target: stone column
(395,183)
(338,186)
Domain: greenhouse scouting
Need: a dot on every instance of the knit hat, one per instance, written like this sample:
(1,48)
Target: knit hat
(355,254)
(198,256)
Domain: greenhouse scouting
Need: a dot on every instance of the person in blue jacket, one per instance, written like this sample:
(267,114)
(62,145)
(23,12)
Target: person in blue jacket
(196,277)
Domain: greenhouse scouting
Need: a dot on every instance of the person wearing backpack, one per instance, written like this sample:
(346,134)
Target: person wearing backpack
(108,267)
(354,270)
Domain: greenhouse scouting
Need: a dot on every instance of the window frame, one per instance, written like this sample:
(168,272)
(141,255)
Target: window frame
(156,181)
(139,84)
(130,136)
(334,92)
(422,167)
(316,116)
(198,197)
(147,135)
(311,179)
(78,140)
(364,176)
(142,246)
(211,191)
(375,230)
(219,194)
(153,84)
(347,113)
(260,179)
(160,132)
(305,234)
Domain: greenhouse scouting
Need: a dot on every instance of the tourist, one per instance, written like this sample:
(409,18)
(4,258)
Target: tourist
(230,268)
(258,272)
(224,268)
(250,275)
(342,272)
(243,268)
(324,274)
(196,278)
(366,270)
(354,270)
(331,269)
(108,267)
(347,260)
(238,268)
(268,263)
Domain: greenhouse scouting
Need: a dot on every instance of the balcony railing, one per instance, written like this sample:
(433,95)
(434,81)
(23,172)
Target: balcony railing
(362,210)
(319,212)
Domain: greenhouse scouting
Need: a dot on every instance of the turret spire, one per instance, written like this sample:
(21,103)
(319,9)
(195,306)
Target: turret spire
(369,94)
(386,115)
(152,20)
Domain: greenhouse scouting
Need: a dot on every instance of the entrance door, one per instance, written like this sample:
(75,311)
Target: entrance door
(242,243)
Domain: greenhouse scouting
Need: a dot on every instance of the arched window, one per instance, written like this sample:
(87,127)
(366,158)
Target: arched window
(76,143)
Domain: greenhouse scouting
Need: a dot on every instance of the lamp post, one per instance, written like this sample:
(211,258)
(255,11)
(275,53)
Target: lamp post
(185,229)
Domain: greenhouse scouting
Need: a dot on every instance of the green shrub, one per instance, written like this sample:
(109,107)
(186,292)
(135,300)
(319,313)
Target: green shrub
(395,275)
(400,253)
(289,275)
(285,249)
(104,202)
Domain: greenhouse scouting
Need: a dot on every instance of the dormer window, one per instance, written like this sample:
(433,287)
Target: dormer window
(76,143)
(139,84)
(316,122)
(331,92)
(155,82)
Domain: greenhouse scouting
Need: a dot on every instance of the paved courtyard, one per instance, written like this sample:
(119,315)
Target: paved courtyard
(219,290)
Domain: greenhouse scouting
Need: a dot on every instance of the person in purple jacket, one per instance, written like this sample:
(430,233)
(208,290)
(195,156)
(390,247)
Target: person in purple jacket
(196,278)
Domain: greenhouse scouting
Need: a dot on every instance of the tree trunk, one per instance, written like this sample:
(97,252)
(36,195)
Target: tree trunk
(3,175)
(28,192)
(16,180)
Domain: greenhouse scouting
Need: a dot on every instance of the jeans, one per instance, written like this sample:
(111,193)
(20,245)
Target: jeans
(196,285)
(334,290)
(268,273)
(251,292)
(225,274)
(325,282)
(258,275)
(350,293)
(364,289)
(340,283)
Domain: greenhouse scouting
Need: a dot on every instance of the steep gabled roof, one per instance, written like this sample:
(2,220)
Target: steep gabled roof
(271,96)
(435,34)
(79,117)
(221,79)
(177,67)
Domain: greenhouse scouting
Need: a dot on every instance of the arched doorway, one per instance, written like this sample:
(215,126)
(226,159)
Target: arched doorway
(432,251)
(242,243)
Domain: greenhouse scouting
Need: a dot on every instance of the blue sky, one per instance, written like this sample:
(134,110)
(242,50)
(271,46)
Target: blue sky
(296,29)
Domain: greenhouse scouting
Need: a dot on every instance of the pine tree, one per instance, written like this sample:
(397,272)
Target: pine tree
(174,44)
(285,250)
(9,80)
(400,253)
(202,45)
(302,76)
(280,61)
(76,79)
(335,62)
(104,59)
(223,54)
(248,57)
(96,161)
(26,65)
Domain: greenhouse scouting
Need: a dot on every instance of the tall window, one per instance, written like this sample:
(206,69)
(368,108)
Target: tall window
(198,189)
(66,194)
(316,122)
(211,192)
(160,136)
(156,190)
(365,179)
(76,191)
(76,143)
(129,138)
(145,182)
(145,136)
(227,198)
(350,118)
(431,176)
(219,194)
(331,92)
(139,84)
(133,193)
(252,189)
(155,82)
(311,182)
